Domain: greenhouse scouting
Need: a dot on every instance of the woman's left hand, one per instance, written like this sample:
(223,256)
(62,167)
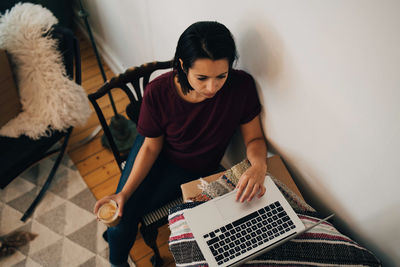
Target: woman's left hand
(250,183)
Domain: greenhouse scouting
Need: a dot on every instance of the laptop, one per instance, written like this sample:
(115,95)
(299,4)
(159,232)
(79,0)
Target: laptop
(230,233)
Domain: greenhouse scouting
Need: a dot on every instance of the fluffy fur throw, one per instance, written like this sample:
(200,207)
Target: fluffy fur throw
(50,100)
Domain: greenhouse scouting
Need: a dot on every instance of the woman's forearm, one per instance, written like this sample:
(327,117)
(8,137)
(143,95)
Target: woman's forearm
(145,159)
(256,151)
(251,183)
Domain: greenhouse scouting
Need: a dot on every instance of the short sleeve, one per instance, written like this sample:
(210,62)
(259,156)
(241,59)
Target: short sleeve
(149,123)
(252,106)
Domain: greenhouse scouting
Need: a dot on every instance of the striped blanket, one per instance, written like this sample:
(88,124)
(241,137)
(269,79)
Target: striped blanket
(321,246)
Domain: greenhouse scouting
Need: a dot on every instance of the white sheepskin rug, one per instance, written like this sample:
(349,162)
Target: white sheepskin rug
(50,100)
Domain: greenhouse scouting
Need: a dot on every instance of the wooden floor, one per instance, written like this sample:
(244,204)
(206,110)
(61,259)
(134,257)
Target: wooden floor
(95,163)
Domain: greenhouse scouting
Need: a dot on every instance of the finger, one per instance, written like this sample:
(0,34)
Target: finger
(246,193)
(241,186)
(96,208)
(262,191)
(238,184)
(98,205)
(253,192)
(121,208)
(239,192)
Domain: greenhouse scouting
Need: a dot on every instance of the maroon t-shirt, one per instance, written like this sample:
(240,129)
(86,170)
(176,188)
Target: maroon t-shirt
(196,135)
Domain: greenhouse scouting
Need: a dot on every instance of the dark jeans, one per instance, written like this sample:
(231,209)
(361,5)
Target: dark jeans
(161,185)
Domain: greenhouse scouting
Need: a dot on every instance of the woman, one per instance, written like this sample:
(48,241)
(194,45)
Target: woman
(187,119)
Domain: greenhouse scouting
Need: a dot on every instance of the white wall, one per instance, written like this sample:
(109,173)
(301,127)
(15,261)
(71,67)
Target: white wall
(328,77)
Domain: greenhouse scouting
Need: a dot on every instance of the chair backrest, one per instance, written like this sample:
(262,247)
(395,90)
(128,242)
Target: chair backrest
(68,45)
(136,79)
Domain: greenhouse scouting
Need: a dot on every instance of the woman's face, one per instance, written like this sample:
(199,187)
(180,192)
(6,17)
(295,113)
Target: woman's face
(207,77)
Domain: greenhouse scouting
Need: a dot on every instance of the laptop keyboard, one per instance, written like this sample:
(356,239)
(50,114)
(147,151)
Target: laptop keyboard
(251,231)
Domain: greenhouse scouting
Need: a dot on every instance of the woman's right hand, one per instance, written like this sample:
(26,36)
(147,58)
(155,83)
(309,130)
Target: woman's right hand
(120,198)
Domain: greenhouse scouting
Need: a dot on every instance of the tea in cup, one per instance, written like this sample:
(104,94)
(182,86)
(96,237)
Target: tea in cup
(108,213)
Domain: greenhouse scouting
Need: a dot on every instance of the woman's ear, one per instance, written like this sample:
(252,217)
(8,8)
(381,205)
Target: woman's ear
(180,61)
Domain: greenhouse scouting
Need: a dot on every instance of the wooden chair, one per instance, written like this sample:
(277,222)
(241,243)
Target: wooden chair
(136,78)
(18,154)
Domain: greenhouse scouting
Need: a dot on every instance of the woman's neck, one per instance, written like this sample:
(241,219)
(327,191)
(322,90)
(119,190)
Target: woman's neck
(191,96)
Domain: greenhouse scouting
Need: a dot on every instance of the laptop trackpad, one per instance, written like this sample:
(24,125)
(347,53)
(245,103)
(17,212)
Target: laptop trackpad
(229,208)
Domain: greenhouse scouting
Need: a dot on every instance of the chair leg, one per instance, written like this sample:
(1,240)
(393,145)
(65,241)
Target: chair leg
(150,236)
(46,185)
